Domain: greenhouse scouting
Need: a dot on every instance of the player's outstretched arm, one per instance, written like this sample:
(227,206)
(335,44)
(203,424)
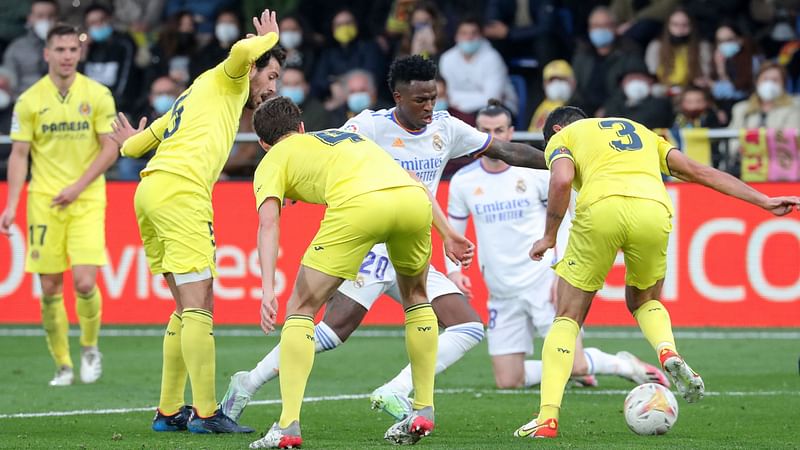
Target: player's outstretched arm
(268,232)
(516,154)
(17,171)
(246,51)
(105,159)
(680,166)
(562,171)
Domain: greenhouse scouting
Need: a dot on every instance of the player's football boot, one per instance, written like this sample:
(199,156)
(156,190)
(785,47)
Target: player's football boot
(393,403)
(277,437)
(63,377)
(643,372)
(411,429)
(91,365)
(584,381)
(218,423)
(686,380)
(236,398)
(175,422)
(534,429)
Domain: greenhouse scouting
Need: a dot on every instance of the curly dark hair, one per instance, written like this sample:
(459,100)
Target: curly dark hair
(276,52)
(410,68)
(563,115)
(276,118)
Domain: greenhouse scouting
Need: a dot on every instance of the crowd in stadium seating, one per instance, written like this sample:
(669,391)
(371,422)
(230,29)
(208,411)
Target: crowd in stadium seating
(665,63)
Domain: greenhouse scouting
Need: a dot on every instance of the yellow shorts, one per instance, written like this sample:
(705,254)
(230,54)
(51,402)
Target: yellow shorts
(60,238)
(400,217)
(639,227)
(176,224)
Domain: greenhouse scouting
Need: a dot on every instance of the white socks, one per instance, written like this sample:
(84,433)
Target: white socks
(602,363)
(454,342)
(533,372)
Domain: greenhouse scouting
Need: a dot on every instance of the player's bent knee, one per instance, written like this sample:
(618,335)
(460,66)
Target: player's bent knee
(84,286)
(579,368)
(509,381)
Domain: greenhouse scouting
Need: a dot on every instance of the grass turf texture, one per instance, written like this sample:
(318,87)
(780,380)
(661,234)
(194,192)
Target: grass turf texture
(754,399)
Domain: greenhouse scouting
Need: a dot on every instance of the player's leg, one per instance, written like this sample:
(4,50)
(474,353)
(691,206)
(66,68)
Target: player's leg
(645,259)
(56,327)
(509,339)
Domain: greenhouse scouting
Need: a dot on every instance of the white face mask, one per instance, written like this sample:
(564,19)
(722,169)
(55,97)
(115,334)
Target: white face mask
(41,28)
(636,90)
(768,90)
(291,39)
(226,32)
(5,99)
(558,90)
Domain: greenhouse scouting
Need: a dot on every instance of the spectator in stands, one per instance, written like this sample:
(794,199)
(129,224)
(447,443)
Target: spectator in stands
(696,110)
(597,65)
(24,56)
(227,31)
(559,85)
(350,51)
(734,62)
(8,82)
(203,12)
(475,71)
(296,88)
(770,106)
(360,93)
(637,102)
(137,16)
(300,49)
(529,29)
(642,20)
(163,93)
(176,45)
(12,22)
(109,57)
(426,35)
(679,58)
(442,101)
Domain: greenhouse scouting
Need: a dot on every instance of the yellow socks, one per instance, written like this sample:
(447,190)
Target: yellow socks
(89,309)
(422,342)
(197,345)
(558,353)
(173,370)
(655,324)
(56,327)
(296,361)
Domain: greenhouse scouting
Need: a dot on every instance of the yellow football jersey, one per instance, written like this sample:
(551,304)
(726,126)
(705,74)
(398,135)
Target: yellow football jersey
(326,167)
(63,133)
(195,137)
(613,156)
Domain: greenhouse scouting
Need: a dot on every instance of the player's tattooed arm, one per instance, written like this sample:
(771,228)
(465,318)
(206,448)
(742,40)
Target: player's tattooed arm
(516,154)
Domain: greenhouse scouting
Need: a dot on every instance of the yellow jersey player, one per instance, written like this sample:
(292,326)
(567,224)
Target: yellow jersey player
(63,121)
(370,199)
(173,208)
(616,164)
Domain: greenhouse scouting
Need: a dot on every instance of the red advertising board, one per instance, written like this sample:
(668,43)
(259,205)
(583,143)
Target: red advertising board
(729,264)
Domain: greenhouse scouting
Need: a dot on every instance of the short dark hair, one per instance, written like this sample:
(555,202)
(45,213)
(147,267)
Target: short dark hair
(98,7)
(61,29)
(277,52)
(563,115)
(469,20)
(493,109)
(276,118)
(410,68)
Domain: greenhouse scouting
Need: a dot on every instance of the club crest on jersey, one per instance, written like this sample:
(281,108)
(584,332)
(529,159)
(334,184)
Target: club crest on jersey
(359,282)
(353,128)
(438,144)
(84,109)
(521,186)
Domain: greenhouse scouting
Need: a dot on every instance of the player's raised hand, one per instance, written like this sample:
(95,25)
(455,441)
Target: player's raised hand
(780,206)
(121,129)
(462,282)
(6,220)
(459,249)
(267,23)
(540,247)
(269,312)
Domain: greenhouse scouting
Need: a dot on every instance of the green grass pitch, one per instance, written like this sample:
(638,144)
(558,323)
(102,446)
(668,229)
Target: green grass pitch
(752,382)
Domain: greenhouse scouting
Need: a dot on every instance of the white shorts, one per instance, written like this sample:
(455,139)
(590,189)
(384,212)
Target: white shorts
(377,277)
(513,321)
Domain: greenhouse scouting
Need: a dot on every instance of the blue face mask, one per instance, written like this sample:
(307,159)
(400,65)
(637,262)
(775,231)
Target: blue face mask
(440,105)
(601,37)
(358,101)
(729,48)
(101,33)
(469,47)
(162,103)
(294,93)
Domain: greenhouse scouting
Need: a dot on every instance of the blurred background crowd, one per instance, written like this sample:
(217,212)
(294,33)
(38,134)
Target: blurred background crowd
(668,64)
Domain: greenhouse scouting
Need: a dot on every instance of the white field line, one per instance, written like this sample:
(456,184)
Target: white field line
(328,398)
(777,334)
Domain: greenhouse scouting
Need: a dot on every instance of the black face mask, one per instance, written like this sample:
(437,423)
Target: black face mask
(678,40)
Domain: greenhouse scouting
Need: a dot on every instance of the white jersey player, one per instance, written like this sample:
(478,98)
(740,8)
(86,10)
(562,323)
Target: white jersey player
(508,206)
(422,142)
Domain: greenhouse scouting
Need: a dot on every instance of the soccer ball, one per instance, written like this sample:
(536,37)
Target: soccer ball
(650,408)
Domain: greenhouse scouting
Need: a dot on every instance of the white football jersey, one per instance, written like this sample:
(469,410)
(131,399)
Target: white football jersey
(509,210)
(426,151)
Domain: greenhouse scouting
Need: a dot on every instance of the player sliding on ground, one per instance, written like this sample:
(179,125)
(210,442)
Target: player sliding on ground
(173,208)
(370,200)
(616,166)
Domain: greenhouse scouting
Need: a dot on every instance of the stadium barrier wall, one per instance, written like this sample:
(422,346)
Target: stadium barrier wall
(729,264)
